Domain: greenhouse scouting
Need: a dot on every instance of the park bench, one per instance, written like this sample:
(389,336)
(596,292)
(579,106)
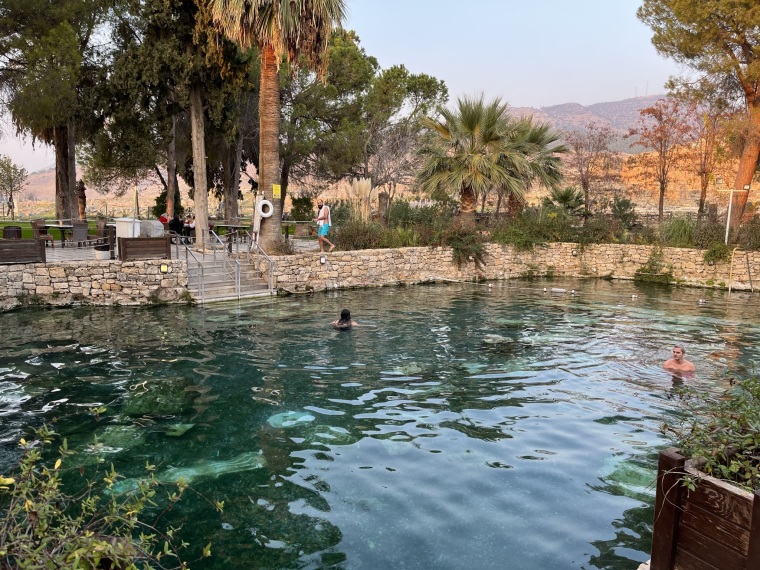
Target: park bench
(21,251)
(144,248)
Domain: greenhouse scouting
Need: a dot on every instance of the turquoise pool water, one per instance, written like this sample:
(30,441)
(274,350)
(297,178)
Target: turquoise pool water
(459,426)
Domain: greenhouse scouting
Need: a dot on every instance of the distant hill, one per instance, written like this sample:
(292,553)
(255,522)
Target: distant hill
(618,115)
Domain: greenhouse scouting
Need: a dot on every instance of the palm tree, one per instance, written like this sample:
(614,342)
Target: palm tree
(570,200)
(292,30)
(478,147)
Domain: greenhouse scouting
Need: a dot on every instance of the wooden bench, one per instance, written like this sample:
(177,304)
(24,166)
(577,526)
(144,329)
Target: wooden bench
(22,251)
(144,248)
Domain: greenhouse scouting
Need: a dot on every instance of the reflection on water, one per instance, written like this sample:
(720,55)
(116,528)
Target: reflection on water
(457,426)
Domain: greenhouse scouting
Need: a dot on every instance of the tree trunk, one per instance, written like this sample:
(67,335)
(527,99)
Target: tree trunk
(663,188)
(200,197)
(82,200)
(269,146)
(73,198)
(747,165)
(513,206)
(704,182)
(586,201)
(171,169)
(62,165)
(468,203)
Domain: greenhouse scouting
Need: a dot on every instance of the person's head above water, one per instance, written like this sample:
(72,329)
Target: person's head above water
(679,363)
(345,316)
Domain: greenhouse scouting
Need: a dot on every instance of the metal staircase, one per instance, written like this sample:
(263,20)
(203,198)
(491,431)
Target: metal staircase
(226,269)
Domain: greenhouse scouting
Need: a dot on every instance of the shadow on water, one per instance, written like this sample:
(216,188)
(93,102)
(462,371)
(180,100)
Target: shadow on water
(456,426)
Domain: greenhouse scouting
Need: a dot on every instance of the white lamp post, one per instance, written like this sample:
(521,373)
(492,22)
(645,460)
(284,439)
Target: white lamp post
(730,204)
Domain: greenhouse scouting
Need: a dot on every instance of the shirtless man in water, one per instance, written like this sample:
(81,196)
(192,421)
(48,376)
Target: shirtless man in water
(678,363)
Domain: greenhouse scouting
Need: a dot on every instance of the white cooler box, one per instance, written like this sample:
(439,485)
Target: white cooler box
(151,228)
(127,227)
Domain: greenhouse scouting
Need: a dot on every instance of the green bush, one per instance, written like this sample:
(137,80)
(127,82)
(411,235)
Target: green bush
(722,431)
(654,270)
(303,209)
(535,226)
(403,214)
(708,232)
(160,206)
(717,252)
(341,211)
(352,235)
(678,232)
(45,527)
(597,229)
(623,210)
(466,243)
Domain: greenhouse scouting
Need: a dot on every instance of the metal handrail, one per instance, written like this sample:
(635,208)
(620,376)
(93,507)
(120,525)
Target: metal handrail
(231,268)
(252,244)
(179,241)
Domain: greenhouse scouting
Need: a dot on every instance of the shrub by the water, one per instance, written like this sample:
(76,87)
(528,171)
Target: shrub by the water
(722,432)
(42,525)
(678,232)
(708,232)
(535,226)
(466,243)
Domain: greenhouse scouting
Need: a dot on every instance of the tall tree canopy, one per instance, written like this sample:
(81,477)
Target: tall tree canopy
(297,31)
(478,146)
(361,122)
(48,59)
(720,40)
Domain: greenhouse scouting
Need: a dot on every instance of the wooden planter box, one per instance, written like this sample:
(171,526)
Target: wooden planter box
(715,527)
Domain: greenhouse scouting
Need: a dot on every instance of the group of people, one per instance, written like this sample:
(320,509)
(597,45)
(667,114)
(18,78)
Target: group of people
(180,227)
(323,219)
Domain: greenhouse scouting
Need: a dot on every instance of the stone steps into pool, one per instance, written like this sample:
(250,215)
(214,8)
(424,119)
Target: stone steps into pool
(218,281)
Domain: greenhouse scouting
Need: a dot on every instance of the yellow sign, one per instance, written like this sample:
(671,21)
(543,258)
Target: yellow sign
(276,191)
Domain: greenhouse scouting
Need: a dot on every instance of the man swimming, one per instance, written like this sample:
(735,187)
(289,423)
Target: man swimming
(678,363)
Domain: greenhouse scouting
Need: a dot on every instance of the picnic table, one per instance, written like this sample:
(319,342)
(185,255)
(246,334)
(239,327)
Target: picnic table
(60,225)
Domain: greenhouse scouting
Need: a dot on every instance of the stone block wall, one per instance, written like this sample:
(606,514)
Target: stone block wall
(142,283)
(367,268)
(93,282)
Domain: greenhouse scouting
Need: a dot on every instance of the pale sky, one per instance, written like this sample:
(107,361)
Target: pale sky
(530,53)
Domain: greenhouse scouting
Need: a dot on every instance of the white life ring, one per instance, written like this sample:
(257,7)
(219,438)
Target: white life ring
(265,209)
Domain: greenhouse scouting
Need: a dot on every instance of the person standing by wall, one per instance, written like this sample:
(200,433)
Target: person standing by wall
(324,221)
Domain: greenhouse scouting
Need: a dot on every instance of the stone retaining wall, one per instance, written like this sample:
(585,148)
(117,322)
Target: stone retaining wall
(141,282)
(378,267)
(92,282)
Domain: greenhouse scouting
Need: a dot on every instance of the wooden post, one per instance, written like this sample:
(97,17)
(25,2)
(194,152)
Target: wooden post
(667,509)
(753,554)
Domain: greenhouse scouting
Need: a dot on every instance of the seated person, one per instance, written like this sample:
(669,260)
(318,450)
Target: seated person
(176,225)
(344,323)
(189,227)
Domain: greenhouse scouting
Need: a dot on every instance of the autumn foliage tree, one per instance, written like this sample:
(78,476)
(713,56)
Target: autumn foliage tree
(588,157)
(720,41)
(664,130)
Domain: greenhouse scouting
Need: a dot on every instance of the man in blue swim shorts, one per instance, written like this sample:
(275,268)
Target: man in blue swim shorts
(324,221)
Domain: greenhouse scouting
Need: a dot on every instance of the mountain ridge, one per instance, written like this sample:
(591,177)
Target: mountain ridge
(620,116)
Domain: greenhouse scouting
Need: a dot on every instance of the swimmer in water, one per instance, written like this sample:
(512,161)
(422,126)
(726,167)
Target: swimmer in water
(345,322)
(678,363)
